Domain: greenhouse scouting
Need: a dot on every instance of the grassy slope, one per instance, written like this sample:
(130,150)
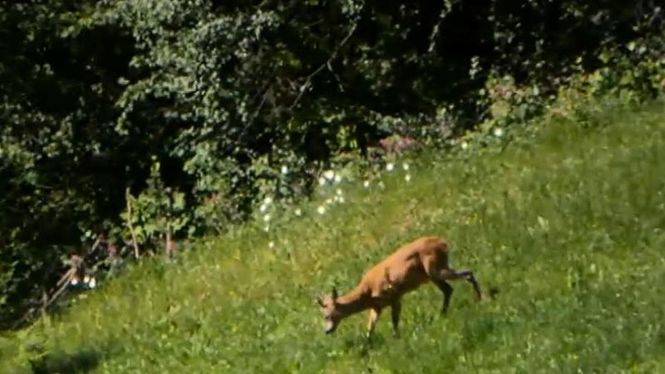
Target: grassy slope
(568,225)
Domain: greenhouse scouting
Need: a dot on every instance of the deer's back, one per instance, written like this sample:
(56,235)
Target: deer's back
(407,267)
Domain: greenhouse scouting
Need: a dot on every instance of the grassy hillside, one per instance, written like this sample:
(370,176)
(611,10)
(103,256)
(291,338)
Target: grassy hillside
(568,223)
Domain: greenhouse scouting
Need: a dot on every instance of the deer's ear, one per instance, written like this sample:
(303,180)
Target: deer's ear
(334,293)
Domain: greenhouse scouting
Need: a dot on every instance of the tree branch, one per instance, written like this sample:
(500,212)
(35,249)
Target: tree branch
(333,55)
(129,223)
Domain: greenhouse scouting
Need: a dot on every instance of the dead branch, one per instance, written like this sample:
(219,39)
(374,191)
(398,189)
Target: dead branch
(128,197)
(333,55)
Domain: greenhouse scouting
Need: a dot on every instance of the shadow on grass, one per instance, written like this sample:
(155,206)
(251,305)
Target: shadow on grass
(82,361)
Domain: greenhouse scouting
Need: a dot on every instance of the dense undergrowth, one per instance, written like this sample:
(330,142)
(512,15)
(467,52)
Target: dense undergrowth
(566,222)
(135,121)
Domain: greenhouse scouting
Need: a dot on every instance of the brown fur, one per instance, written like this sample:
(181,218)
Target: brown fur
(420,261)
(397,144)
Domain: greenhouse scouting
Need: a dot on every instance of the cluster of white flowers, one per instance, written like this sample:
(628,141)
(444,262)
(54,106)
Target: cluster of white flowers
(390,166)
(339,196)
(88,281)
(263,208)
(329,176)
(265,204)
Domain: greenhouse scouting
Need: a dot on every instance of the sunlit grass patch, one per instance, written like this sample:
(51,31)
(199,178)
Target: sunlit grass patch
(568,224)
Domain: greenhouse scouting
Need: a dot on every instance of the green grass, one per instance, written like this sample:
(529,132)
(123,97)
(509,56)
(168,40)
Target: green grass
(568,223)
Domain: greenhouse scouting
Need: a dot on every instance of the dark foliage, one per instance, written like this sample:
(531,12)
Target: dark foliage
(195,105)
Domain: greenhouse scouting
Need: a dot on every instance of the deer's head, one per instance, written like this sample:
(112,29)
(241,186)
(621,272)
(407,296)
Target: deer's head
(331,313)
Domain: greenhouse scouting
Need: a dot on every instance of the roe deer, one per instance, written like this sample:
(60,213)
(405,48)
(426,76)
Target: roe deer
(391,145)
(424,259)
(397,144)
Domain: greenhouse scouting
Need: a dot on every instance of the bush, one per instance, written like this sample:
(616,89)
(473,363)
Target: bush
(196,106)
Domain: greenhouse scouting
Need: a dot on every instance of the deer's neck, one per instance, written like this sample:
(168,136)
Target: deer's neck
(354,301)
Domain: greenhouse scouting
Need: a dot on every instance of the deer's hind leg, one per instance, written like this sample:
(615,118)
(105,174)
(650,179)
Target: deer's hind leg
(450,274)
(432,266)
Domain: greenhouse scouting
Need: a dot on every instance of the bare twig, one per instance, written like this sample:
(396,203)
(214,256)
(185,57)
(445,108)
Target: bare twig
(76,266)
(327,63)
(256,112)
(339,81)
(96,244)
(57,293)
(67,277)
(45,302)
(129,223)
(169,243)
(435,30)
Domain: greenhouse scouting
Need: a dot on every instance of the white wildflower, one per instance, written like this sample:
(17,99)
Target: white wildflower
(263,208)
(267,200)
(321,209)
(322,181)
(366,184)
(405,166)
(285,169)
(339,192)
(271,245)
(298,212)
(329,201)
(329,174)
(464,145)
(407,178)
(390,166)
(266,218)
(340,199)
(338,178)
(267,228)
(498,132)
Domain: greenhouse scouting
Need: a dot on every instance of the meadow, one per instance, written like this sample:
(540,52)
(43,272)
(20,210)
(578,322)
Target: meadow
(566,221)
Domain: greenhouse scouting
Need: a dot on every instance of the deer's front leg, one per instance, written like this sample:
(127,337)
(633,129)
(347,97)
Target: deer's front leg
(374,314)
(395,310)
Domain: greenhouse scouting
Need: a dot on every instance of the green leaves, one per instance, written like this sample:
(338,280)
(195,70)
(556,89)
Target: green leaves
(157,211)
(198,106)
